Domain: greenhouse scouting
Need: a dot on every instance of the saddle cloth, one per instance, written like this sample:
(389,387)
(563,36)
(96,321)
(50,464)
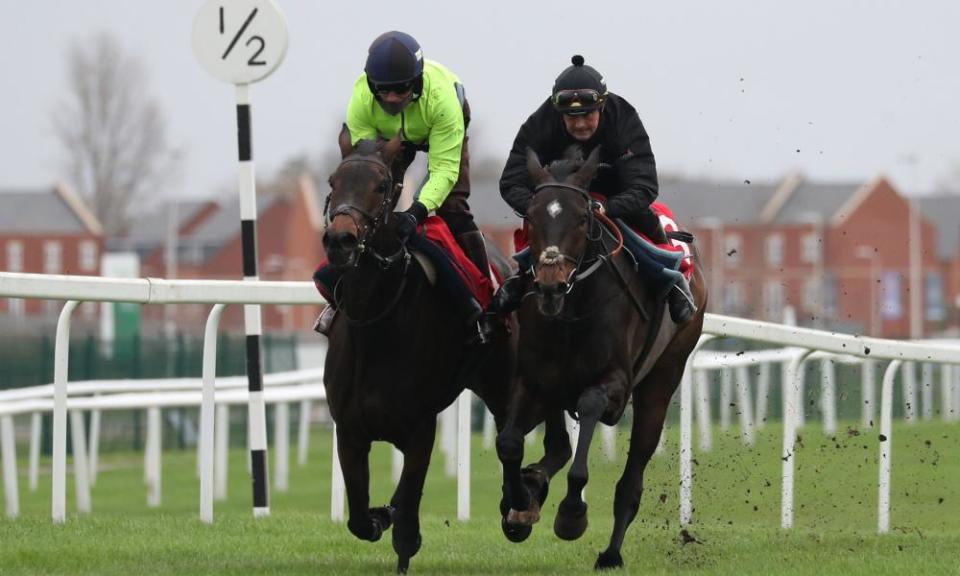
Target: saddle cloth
(674,255)
(456,273)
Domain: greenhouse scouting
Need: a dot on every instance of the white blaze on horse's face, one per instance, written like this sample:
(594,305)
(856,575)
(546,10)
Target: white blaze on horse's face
(554,209)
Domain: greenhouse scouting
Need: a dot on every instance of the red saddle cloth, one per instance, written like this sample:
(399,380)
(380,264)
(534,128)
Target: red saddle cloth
(441,244)
(667,220)
(479,283)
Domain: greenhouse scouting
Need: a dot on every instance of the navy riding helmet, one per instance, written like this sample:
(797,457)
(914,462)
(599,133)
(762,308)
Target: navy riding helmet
(394,64)
(579,89)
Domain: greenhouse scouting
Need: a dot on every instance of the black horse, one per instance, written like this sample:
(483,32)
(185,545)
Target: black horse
(396,354)
(594,338)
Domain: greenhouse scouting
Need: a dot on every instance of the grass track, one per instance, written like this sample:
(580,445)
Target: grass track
(736,499)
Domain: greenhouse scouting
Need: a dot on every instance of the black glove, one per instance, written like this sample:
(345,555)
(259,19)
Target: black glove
(408,220)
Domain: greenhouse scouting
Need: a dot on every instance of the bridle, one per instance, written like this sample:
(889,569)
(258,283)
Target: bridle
(552,256)
(368,231)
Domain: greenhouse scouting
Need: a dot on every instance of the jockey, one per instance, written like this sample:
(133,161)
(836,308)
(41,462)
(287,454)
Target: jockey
(402,93)
(581,111)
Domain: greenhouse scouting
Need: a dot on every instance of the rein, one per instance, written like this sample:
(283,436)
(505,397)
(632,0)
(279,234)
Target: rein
(368,232)
(553,257)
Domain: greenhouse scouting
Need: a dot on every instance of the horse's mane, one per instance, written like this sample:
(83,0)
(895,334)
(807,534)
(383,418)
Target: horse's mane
(368,147)
(564,167)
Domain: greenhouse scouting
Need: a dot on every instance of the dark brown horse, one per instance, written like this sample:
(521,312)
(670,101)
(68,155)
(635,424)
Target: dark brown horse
(593,339)
(396,354)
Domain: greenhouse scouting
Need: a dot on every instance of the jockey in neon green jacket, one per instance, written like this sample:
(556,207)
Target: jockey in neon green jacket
(424,102)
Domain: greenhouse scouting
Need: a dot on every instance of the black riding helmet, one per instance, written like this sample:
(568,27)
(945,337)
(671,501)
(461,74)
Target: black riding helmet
(394,63)
(579,89)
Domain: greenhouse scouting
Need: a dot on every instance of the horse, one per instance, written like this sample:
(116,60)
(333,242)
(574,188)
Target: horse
(397,355)
(594,337)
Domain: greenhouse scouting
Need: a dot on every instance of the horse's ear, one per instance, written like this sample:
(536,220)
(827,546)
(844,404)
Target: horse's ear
(346,145)
(537,174)
(585,174)
(390,149)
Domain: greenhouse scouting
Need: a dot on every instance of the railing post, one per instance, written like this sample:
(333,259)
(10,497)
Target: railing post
(337,488)
(208,413)
(464,404)
(303,431)
(686,435)
(8,447)
(744,405)
(702,394)
(791,396)
(828,396)
(868,379)
(61,363)
(886,431)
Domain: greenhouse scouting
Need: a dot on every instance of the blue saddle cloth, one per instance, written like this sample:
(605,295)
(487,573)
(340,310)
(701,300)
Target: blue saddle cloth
(658,267)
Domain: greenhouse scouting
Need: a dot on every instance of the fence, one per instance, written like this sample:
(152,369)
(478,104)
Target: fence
(804,342)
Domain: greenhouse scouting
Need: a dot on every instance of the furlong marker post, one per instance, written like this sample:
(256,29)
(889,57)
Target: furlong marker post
(242,42)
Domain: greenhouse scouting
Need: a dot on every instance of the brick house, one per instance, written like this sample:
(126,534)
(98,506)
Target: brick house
(48,231)
(836,252)
(208,246)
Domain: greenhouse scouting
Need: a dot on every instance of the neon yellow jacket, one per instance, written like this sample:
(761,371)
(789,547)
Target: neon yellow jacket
(434,119)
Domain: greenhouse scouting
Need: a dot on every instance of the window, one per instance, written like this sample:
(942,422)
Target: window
(811,295)
(890,288)
(774,249)
(933,292)
(733,297)
(88,256)
(811,252)
(732,249)
(15,307)
(52,257)
(14,256)
(773,300)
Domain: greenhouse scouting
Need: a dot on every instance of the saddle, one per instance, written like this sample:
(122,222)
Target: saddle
(455,274)
(661,265)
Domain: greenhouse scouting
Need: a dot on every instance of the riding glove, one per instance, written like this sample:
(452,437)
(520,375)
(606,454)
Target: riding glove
(408,220)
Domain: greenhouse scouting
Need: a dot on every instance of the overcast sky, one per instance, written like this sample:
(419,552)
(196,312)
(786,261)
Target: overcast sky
(733,89)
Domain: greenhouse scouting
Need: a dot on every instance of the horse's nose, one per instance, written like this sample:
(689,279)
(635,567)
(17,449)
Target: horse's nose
(341,247)
(550,297)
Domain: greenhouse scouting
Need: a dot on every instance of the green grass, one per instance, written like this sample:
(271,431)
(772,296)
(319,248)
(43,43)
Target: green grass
(736,499)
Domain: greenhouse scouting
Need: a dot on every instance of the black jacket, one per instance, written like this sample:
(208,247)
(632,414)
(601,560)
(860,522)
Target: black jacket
(630,184)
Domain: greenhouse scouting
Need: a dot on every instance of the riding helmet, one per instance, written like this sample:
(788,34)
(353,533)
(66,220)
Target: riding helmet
(394,59)
(579,89)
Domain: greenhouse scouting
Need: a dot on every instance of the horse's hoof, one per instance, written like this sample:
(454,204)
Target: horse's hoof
(382,517)
(537,482)
(403,564)
(608,560)
(515,532)
(527,517)
(570,524)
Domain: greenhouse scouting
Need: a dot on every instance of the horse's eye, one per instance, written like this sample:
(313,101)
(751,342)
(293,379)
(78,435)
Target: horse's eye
(382,188)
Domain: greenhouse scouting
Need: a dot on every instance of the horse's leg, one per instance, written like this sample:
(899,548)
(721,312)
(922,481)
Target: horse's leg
(556,453)
(364,523)
(518,509)
(571,520)
(650,401)
(406,499)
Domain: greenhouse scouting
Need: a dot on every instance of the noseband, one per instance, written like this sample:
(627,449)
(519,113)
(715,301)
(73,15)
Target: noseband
(368,231)
(552,256)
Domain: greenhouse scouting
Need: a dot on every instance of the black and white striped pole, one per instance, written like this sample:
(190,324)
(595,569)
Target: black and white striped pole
(242,42)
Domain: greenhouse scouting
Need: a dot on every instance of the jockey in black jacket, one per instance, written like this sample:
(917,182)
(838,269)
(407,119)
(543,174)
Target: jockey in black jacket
(581,112)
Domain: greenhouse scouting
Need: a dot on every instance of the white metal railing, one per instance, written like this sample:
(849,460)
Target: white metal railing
(805,343)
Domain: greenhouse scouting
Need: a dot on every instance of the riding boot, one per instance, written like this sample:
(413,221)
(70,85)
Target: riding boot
(325,320)
(680,302)
(505,300)
(475,249)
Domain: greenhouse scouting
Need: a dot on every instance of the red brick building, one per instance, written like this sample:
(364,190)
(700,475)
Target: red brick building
(47,231)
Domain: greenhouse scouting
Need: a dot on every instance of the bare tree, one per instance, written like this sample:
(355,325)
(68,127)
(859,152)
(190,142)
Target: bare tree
(112,131)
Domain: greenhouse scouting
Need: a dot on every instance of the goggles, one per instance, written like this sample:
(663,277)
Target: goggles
(399,88)
(576,102)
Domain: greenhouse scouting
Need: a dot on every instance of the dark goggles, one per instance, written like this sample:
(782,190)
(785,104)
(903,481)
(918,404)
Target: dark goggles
(384,88)
(576,102)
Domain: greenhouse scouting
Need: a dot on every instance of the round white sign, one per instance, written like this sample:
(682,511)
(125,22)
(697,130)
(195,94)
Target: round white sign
(240,41)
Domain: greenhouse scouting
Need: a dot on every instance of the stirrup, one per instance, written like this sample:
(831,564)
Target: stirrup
(324,321)
(682,307)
